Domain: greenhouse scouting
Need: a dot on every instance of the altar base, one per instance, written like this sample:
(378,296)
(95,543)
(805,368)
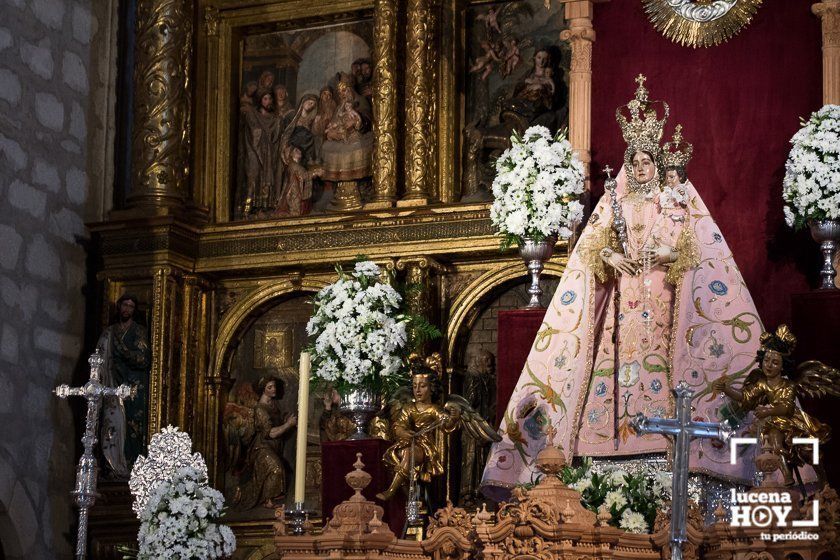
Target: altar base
(337,455)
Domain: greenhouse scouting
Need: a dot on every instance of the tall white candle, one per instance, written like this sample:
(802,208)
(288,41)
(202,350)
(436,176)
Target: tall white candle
(302,427)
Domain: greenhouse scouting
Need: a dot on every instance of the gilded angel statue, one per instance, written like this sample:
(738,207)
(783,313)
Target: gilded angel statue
(771,391)
(417,419)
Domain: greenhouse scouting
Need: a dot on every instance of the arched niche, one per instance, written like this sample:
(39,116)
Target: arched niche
(261,337)
(481,293)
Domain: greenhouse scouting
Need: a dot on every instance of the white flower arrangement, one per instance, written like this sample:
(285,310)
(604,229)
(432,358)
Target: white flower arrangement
(359,331)
(180,520)
(177,509)
(811,188)
(538,184)
(633,500)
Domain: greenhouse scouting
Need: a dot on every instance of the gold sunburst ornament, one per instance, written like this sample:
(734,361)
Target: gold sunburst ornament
(700,23)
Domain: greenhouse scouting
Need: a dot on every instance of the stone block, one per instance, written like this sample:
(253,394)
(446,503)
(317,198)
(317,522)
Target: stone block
(58,311)
(42,259)
(78,126)
(74,72)
(49,111)
(24,297)
(10,241)
(55,342)
(9,86)
(75,181)
(38,58)
(68,225)
(49,12)
(13,153)
(9,344)
(46,174)
(5,39)
(72,147)
(24,520)
(84,24)
(25,197)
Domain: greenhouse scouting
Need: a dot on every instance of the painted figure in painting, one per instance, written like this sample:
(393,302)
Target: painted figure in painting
(260,156)
(638,309)
(261,430)
(480,391)
(297,185)
(771,392)
(419,419)
(348,140)
(127,359)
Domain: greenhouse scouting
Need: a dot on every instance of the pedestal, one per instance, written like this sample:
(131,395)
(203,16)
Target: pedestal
(815,320)
(337,458)
(517,331)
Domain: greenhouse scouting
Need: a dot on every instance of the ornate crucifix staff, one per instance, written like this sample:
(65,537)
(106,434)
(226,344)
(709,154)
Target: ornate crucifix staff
(683,430)
(86,472)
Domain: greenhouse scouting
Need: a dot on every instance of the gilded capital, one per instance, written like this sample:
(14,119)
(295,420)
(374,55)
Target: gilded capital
(161,136)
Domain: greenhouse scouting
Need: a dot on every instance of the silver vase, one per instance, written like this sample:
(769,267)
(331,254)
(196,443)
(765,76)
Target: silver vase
(827,234)
(535,254)
(360,404)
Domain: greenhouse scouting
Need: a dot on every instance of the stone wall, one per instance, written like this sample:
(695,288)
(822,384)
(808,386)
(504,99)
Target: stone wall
(57,72)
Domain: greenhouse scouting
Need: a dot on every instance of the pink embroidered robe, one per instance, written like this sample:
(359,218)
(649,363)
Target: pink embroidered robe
(697,323)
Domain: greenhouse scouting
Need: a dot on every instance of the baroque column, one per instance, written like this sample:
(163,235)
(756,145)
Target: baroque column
(418,94)
(581,36)
(829,13)
(385,104)
(418,277)
(160,148)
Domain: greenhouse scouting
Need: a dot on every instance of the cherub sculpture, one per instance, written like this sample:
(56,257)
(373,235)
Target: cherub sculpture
(419,420)
(770,392)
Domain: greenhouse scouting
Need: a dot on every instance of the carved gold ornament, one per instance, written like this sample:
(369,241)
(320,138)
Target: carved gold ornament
(700,23)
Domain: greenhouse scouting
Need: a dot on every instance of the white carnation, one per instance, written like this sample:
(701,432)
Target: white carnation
(633,522)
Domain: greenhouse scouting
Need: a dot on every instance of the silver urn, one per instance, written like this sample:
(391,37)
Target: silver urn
(360,404)
(536,254)
(827,234)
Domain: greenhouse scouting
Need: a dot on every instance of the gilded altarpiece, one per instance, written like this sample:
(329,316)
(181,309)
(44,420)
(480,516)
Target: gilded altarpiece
(226,289)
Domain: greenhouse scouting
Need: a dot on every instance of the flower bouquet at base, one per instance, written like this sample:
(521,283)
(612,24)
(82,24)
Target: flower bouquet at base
(633,500)
(361,338)
(178,510)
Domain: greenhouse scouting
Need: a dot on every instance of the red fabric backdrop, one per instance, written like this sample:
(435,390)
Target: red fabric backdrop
(739,104)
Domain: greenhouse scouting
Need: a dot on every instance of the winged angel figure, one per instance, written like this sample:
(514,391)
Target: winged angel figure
(418,423)
(771,392)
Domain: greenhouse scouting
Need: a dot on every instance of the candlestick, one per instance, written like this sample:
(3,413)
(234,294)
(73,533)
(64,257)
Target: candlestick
(302,427)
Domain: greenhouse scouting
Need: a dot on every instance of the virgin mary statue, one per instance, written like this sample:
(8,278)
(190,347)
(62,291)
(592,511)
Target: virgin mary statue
(658,296)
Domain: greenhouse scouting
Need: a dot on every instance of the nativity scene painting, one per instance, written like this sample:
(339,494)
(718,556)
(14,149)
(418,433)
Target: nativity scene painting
(305,119)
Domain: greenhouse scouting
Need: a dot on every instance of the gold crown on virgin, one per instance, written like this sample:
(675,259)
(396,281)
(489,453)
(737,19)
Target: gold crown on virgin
(643,129)
(677,152)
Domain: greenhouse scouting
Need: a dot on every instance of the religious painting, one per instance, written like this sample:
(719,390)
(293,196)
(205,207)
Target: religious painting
(516,76)
(259,423)
(273,349)
(305,120)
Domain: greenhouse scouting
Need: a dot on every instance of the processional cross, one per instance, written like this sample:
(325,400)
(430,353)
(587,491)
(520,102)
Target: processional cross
(86,471)
(683,429)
